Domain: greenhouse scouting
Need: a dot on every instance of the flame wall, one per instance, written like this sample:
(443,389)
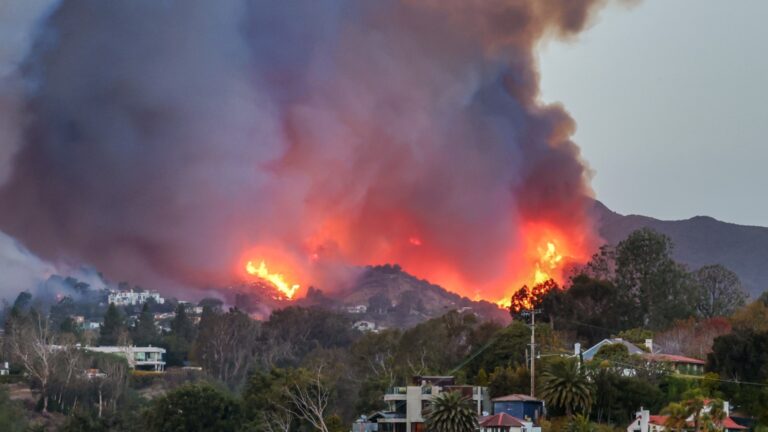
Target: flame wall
(171,142)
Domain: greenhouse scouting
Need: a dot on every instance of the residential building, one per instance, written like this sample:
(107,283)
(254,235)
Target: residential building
(144,358)
(645,422)
(504,422)
(5,368)
(365,326)
(590,353)
(356,309)
(91,325)
(407,404)
(131,297)
(680,364)
(519,406)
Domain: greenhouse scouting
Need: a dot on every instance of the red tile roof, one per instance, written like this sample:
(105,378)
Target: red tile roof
(501,420)
(674,359)
(728,423)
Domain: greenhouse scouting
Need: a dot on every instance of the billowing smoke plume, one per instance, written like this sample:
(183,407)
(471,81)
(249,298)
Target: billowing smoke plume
(171,141)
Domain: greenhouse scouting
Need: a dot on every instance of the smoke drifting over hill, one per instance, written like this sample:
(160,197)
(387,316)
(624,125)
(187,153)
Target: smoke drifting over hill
(170,141)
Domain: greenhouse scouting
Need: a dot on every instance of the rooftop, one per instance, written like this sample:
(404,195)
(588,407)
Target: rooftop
(516,398)
(501,420)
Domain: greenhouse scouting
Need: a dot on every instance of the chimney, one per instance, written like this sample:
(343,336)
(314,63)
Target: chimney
(645,418)
(649,345)
(577,349)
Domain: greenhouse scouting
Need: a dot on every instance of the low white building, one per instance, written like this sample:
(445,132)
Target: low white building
(356,309)
(131,297)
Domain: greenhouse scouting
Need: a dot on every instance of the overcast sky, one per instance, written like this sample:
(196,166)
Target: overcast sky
(670,100)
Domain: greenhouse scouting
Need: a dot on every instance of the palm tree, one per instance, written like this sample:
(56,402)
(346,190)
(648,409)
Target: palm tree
(677,416)
(564,385)
(713,419)
(581,423)
(450,411)
(694,406)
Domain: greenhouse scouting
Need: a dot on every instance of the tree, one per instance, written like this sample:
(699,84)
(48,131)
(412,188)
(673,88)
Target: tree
(30,344)
(145,332)
(226,345)
(181,325)
(589,307)
(264,400)
(719,291)
(113,328)
(657,286)
(309,397)
(530,298)
(194,407)
(581,423)
(565,385)
(740,356)
(450,411)
(509,380)
(179,341)
(677,416)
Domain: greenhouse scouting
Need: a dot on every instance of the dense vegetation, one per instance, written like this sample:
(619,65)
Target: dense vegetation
(309,369)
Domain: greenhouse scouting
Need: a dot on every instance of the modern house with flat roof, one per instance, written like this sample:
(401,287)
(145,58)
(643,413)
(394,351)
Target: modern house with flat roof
(140,358)
(407,405)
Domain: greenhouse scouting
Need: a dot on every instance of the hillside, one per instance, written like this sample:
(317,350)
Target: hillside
(394,298)
(699,241)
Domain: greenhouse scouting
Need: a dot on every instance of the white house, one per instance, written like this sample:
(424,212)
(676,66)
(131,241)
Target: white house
(645,422)
(131,297)
(146,358)
(364,326)
(356,309)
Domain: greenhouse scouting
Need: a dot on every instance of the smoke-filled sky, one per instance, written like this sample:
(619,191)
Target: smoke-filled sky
(169,142)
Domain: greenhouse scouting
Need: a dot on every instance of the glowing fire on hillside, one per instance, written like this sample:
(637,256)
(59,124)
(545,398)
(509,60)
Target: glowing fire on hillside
(277,279)
(542,255)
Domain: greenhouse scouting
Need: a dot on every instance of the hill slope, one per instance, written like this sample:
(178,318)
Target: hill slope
(700,241)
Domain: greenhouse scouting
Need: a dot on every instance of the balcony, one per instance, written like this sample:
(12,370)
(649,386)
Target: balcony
(395,393)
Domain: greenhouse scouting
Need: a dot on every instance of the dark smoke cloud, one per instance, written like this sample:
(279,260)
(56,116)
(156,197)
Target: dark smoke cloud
(168,137)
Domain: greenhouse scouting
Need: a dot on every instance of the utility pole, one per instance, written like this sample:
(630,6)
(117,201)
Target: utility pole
(533,313)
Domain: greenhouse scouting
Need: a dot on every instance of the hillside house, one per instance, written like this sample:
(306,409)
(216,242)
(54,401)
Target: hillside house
(519,406)
(645,422)
(406,405)
(365,326)
(131,297)
(678,363)
(140,358)
(504,422)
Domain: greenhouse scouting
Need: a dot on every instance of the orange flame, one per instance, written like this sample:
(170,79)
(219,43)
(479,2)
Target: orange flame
(276,279)
(548,250)
(550,260)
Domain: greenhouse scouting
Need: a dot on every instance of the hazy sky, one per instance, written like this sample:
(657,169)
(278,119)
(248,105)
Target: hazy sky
(670,99)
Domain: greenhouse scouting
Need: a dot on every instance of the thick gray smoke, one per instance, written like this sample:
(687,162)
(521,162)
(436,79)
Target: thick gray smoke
(168,141)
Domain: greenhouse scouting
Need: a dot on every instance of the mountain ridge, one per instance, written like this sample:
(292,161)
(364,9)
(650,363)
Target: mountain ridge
(699,241)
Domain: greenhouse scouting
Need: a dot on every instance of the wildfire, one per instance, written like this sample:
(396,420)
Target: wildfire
(276,279)
(550,260)
(546,275)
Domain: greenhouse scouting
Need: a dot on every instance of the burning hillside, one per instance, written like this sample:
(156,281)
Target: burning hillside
(201,143)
